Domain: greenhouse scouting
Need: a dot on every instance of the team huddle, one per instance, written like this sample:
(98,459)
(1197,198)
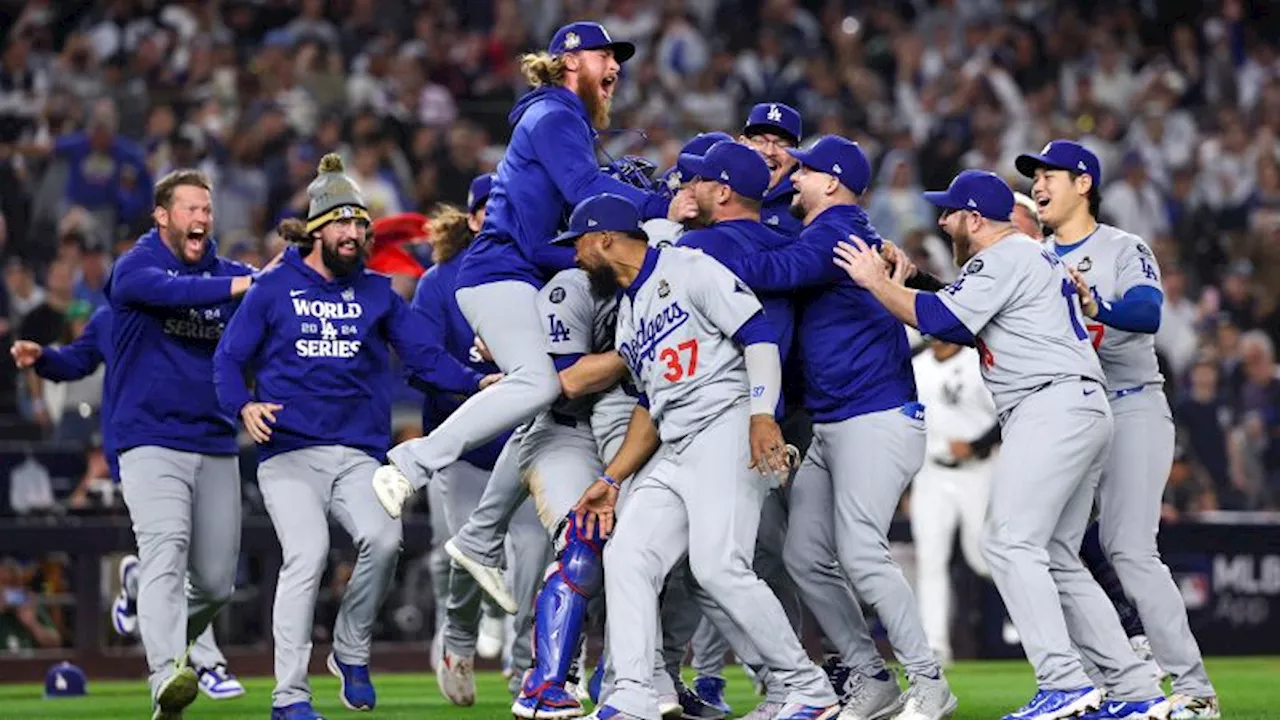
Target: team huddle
(683,407)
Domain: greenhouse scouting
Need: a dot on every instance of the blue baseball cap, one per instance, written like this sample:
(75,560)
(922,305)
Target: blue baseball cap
(65,680)
(478,193)
(1062,155)
(605,212)
(837,156)
(776,118)
(733,164)
(589,36)
(980,190)
(698,145)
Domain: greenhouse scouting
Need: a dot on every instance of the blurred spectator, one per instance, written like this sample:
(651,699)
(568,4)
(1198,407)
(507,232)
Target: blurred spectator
(1133,202)
(1177,339)
(25,625)
(1204,418)
(1259,408)
(896,206)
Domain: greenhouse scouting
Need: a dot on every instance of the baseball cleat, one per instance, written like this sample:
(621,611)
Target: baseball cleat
(692,707)
(218,683)
(710,690)
(296,711)
(1185,707)
(1153,709)
(456,676)
(840,677)
(124,609)
(1055,704)
(356,692)
(873,697)
(795,711)
(608,712)
(177,692)
(550,703)
(669,707)
(927,698)
(767,710)
(392,489)
(490,638)
(489,577)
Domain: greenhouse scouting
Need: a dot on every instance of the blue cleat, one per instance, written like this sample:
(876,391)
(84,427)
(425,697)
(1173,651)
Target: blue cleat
(596,682)
(840,675)
(793,711)
(1153,709)
(608,712)
(548,703)
(1055,704)
(693,707)
(710,690)
(296,711)
(357,689)
(219,683)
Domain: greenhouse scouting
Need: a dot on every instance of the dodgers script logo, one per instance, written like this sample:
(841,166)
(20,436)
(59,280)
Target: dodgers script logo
(652,331)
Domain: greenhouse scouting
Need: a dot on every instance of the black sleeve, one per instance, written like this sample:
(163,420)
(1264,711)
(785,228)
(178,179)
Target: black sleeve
(925,282)
(986,441)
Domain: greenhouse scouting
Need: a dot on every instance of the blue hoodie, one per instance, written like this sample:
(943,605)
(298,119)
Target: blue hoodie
(731,241)
(435,302)
(79,360)
(775,211)
(549,167)
(168,316)
(321,349)
(855,354)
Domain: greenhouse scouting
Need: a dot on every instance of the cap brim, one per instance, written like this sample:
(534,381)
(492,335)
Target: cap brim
(770,127)
(1028,163)
(622,51)
(942,199)
(568,237)
(695,165)
(803,157)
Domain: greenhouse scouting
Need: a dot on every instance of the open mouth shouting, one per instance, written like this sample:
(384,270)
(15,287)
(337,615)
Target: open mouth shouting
(348,249)
(194,244)
(607,85)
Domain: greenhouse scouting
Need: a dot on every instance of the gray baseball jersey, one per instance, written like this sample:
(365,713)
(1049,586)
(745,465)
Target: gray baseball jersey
(675,331)
(577,323)
(1018,301)
(1114,262)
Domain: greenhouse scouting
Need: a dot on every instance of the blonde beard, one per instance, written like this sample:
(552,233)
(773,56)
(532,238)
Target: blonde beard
(597,109)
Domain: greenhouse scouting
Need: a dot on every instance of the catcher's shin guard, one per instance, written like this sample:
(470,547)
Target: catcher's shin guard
(572,580)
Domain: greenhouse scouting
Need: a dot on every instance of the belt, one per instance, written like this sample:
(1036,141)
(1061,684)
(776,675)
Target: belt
(1127,391)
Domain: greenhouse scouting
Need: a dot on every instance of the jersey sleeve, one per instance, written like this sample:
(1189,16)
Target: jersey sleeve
(983,288)
(1135,267)
(723,298)
(567,311)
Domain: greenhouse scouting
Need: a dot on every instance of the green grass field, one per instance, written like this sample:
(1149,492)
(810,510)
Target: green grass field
(987,690)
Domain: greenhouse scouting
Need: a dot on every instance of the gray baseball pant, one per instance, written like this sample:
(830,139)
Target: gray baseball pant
(205,652)
(843,498)
(1055,444)
(461,485)
(1129,499)
(504,314)
(185,509)
(707,474)
(302,489)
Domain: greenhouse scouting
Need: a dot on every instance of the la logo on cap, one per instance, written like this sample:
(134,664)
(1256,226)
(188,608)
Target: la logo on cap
(775,115)
(571,41)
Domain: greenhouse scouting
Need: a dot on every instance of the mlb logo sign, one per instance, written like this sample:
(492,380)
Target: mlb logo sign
(346,213)
(349,294)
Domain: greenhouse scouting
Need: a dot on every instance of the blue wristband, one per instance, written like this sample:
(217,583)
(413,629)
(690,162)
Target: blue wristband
(609,479)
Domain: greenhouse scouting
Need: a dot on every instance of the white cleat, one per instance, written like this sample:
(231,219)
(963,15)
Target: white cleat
(392,489)
(489,577)
(1185,707)
(177,692)
(490,640)
(456,676)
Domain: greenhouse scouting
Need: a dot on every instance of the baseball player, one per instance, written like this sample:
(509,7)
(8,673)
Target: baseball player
(78,360)
(700,349)
(317,333)
(771,130)
(549,166)
(461,484)
(1119,285)
(1015,301)
(729,184)
(951,489)
(868,441)
(171,296)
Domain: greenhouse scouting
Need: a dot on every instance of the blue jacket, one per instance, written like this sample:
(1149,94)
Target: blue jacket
(775,211)
(117,179)
(79,360)
(549,167)
(730,242)
(435,302)
(855,354)
(321,349)
(168,317)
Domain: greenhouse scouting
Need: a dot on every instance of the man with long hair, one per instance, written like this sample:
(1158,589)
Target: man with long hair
(549,166)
